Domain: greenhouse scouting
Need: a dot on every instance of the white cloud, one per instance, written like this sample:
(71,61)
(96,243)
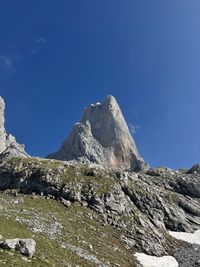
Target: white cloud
(134,128)
(40,40)
(8,63)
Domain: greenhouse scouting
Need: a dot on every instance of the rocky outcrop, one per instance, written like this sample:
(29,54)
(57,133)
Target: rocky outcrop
(195,169)
(102,137)
(8,145)
(26,246)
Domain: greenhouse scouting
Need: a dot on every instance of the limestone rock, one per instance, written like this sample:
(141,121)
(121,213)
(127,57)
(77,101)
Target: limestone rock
(102,137)
(10,243)
(8,145)
(25,246)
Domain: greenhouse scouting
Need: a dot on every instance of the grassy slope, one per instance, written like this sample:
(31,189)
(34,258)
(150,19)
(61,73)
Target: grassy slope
(79,226)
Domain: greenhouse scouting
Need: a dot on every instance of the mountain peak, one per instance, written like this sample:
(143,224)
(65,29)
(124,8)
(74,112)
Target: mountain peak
(103,138)
(110,99)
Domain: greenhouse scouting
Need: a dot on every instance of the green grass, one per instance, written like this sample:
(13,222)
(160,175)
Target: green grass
(75,176)
(172,197)
(78,229)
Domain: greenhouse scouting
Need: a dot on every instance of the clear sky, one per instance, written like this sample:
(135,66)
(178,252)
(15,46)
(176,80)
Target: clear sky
(56,57)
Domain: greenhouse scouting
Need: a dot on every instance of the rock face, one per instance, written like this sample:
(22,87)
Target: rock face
(102,137)
(195,169)
(8,145)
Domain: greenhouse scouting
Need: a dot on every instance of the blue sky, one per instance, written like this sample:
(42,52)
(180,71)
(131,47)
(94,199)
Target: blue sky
(56,57)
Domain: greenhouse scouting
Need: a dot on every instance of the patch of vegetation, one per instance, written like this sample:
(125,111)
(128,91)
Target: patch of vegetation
(172,197)
(183,170)
(65,174)
(139,188)
(22,163)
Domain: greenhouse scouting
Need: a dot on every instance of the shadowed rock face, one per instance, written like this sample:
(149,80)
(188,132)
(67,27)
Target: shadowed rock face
(102,137)
(8,145)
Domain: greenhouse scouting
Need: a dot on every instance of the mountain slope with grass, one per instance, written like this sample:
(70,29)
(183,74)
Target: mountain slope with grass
(76,213)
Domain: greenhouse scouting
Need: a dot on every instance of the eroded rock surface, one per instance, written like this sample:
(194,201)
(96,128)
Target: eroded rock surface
(8,145)
(102,137)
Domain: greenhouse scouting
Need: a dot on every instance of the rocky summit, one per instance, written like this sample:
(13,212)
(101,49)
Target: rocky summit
(8,145)
(102,137)
(75,214)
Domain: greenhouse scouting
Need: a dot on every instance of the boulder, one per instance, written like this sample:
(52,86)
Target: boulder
(25,246)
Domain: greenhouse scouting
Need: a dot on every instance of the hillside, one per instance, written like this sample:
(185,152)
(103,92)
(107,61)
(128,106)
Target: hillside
(84,215)
(96,202)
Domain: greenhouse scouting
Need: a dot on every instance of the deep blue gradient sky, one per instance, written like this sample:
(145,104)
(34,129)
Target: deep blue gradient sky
(56,57)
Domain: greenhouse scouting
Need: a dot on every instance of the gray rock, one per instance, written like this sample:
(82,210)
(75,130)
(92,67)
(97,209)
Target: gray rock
(25,246)
(188,255)
(10,243)
(195,169)
(130,243)
(197,263)
(25,259)
(102,137)
(65,202)
(8,145)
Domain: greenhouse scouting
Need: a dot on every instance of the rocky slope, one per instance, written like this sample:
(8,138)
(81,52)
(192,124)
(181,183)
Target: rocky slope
(139,207)
(102,137)
(90,215)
